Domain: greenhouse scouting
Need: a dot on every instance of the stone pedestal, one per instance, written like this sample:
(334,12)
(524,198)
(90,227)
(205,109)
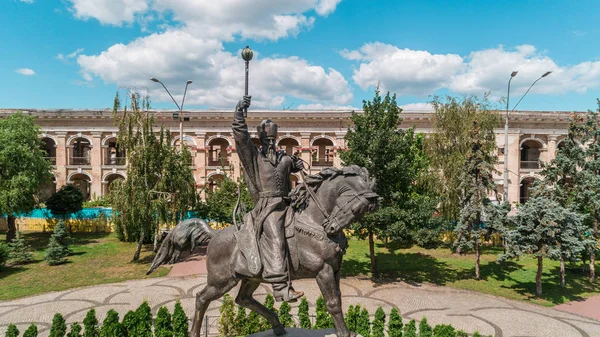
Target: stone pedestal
(295,332)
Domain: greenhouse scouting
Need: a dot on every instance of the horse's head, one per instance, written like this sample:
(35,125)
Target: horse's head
(355,197)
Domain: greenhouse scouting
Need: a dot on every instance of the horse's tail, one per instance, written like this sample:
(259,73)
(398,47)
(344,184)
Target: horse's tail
(188,233)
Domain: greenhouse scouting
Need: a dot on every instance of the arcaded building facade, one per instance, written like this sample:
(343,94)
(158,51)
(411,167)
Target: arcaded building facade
(83,149)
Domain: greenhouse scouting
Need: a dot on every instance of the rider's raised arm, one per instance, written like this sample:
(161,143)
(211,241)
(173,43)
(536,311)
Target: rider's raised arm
(243,142)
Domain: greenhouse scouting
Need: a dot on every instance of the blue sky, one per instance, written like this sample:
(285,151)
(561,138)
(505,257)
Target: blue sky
(309,53)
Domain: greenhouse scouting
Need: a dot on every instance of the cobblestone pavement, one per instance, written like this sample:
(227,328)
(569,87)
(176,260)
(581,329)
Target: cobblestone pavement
(465,310)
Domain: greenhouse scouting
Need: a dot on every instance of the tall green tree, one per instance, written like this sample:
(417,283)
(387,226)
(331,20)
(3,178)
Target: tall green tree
(561,179)
(393,156)
(23,168)
(588,190)
(220,203)
(159,186)
(395,324)
(538,227)
(66,201)
(450,144)
(476,182)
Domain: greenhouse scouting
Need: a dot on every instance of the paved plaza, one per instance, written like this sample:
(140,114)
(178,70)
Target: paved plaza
(465,310)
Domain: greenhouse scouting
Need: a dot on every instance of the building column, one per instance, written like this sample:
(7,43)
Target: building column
(200,159)
(96,163)
(305,152)
(61,159)
(551,152)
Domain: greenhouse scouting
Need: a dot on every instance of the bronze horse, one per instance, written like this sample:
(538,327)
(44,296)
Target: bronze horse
(316,241)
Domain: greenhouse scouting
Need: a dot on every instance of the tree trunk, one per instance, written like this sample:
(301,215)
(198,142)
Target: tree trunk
(138,251)
(562,271)
(372,254)
(593,251)
(155,248)
(477,256)
(538,277)
(12,229)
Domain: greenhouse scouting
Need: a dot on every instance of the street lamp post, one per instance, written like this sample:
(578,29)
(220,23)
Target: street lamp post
(513,74)
(180,107)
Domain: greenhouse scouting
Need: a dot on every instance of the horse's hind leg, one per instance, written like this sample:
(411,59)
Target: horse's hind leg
(329,283)
(203,299)
(245,299)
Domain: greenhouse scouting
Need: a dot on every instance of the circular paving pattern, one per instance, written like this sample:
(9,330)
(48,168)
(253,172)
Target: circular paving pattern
(465,310)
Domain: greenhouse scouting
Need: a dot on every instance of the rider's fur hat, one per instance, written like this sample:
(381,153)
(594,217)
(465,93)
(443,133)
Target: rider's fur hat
(267,129)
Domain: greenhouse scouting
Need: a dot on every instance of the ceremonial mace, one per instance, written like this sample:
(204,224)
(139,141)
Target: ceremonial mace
(247,56)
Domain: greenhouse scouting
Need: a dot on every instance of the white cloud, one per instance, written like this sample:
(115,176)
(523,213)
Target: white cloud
(417,107)
(176,56)
(404,71)
(320,106)
(25,71)
(407,71)
(72,55)
(112,12)
(326,7)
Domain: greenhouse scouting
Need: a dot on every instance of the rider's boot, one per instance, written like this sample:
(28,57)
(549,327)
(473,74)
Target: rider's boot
(286,293)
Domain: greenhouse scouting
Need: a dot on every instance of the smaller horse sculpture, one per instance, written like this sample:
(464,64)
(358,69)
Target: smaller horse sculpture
(322,206)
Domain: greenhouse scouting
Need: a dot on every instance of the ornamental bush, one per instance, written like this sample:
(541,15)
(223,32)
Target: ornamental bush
(12,331)
(351,317)
(129,322)
(253,324)
(379,323)
(180,321)
(444,330)
(227,317)
(323,320)
(303,315)
(425,329)
(20,252)
(4,253)
(395,324)
(90,324)
(363,324)
(410,329)
(163,326)
(75,330)
(58,247)
(32,331)
(143,319)
(59,327)
(111,326)
(284,315)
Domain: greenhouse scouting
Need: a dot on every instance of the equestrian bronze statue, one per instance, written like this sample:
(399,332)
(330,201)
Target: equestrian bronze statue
(289,235)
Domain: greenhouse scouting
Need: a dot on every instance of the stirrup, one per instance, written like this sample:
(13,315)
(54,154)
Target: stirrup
(288,294)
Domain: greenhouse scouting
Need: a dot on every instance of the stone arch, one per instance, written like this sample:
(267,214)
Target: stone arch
(530,153)
(213,180)
(287,143)
(79,135)
(189,140)
(312,141)
(534,139)
(525,184)
(218,148)
(106,139)
(112,154)
(288,137)
(322,150)
(108,178)
(211,138)
(49,146)
(54,139)
(83,184)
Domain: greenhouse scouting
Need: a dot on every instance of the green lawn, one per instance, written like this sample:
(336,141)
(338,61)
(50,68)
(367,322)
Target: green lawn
(512,279)
(96,259)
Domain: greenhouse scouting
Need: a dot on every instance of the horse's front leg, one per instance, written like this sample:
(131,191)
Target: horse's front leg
(329,283)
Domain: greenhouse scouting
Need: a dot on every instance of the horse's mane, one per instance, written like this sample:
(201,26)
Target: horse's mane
(300,196)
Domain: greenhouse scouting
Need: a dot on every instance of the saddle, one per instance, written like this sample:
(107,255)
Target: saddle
(247,259)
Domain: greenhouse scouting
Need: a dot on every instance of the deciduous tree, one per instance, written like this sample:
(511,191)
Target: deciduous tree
(23,168)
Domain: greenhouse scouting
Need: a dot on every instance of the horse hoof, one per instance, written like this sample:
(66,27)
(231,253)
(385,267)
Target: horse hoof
(279,330)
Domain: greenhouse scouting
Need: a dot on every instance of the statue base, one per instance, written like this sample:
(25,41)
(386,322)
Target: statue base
(296,332)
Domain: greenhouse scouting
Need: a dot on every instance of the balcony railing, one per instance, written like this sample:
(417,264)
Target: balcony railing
(52,160)
(531,165)
(322,162)
(79,161)
(119,161)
